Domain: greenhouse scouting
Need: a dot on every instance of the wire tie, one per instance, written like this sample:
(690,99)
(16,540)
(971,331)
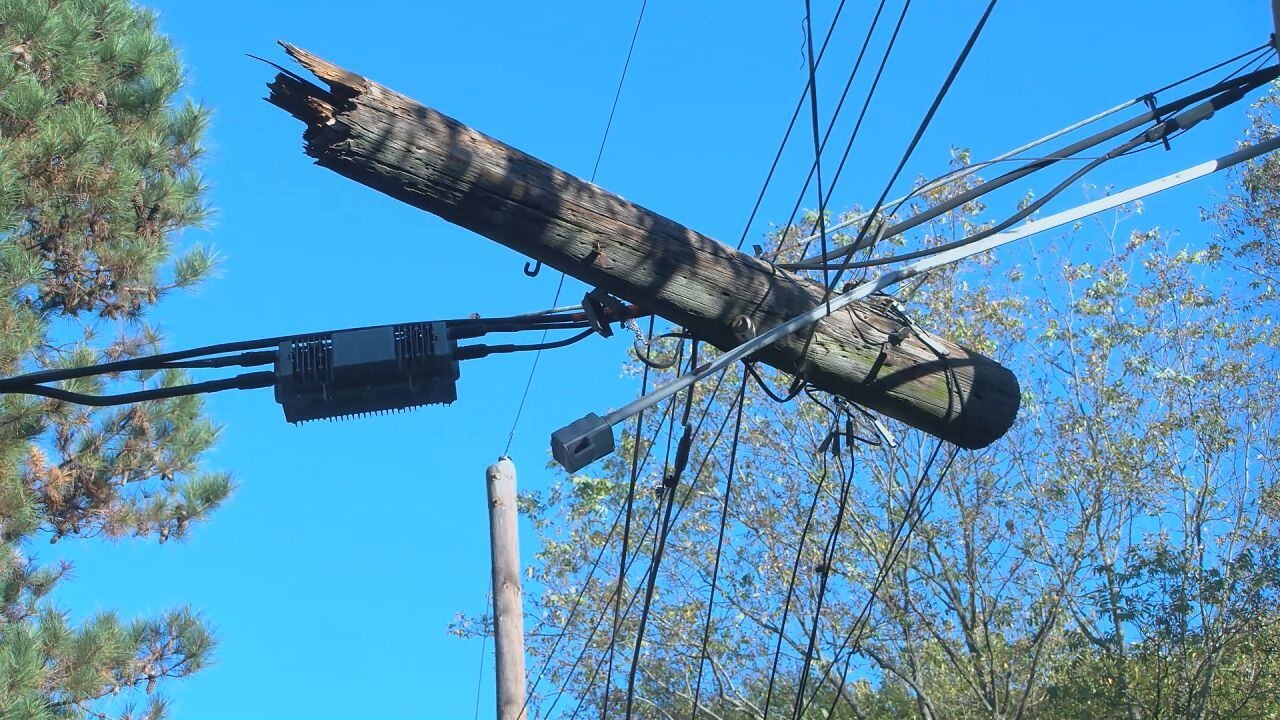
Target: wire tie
(1150,100)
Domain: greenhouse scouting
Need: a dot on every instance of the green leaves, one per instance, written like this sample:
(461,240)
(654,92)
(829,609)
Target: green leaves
(98,171)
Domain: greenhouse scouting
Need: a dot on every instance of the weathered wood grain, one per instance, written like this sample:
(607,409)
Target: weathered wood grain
(413,153)
(508,599)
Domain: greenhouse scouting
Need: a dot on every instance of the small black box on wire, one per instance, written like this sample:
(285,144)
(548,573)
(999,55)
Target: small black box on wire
(372,370)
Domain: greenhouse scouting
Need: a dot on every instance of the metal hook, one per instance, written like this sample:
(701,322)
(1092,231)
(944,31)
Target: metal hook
(531,269)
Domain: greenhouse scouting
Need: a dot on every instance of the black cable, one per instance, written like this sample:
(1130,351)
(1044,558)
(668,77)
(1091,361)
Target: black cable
(1007,222)
(1242,84)
(671,480)
(825,572)
(791,586)
(675,517)
(817,140)
(1267,46)
(669,497)
(149,362)
(599,622)
(920,130)
(906,156)
(573,612)
(862,114)
(472,352)
(1151,138)
(797,385)
(626,530)
(246,381)
(175,359)
(914,508)
(248,359)
(1267,49)
(787,135)
(715,571)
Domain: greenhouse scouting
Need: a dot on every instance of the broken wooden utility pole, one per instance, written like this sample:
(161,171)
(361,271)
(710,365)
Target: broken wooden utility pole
(864,353)
(508,606)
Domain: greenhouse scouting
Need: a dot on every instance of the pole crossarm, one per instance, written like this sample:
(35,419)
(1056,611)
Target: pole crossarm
(391,143)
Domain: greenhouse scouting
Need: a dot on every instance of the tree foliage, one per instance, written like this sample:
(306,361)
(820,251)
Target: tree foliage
(1115,555)
(98,172)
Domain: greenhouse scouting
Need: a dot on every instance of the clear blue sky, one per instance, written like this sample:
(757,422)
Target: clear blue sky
(333,572)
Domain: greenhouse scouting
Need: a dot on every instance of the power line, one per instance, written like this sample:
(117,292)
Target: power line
(676,515)
(887,279)
(715,572)
(791,586)
(670,482)
(817,140)
(828,561)
(782,146)
(915,140)
(857,126)
(626,532)
(1235,87)
(907,524)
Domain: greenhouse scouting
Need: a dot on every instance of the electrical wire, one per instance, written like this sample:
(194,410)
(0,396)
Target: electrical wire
(817,140)
(797,385)
(857,125)
(246,381)
(671,480)
(626,531)
(552,319)
(786,136)
(643,462)
(472,352)
(901,533)
(1239,85)
(709,403)
(1149,138)
(829,285)
(963,172)
(915,141)
(791,586)
(715,570)
(484,639)
(828,562)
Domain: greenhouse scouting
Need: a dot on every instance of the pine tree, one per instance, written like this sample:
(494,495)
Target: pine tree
(98,172)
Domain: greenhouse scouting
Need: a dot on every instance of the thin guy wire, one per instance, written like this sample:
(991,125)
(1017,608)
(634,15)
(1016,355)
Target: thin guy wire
(484,641)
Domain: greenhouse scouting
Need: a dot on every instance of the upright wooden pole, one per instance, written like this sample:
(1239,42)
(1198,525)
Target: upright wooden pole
(508,608)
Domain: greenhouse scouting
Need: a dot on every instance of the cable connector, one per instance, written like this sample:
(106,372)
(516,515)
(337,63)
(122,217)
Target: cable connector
(601,309)
(582,442)
(355,372)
